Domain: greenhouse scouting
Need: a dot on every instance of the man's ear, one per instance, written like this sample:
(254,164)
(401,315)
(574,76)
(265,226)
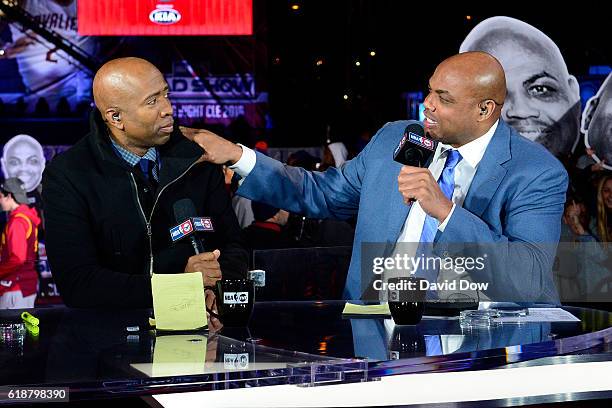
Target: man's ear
(113,118)
(486,109)
(589,112)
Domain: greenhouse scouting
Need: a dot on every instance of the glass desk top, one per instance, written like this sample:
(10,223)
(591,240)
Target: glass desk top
(304,343)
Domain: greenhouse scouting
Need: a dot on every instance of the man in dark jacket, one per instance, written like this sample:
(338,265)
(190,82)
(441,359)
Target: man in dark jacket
(109,199)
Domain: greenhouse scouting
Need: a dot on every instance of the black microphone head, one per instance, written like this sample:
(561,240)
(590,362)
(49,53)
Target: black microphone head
(184,209)
(416,128)
(415,149)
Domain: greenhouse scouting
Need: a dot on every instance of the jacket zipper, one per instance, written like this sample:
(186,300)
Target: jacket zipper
(148,221)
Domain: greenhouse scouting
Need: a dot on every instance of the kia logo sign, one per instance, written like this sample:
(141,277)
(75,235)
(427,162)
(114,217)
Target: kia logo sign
(165,15)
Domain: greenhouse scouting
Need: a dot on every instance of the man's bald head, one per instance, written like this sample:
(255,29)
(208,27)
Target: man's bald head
(132,96)
(465,97)
(118,79)
(480,72)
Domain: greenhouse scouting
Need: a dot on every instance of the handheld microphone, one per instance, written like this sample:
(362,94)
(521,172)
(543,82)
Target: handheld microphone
(189,224)
(415,149)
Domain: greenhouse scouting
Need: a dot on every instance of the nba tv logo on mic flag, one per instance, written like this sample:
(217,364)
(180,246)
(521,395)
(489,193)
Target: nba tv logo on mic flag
(182,230)
(202,224)
(190,225)
(416,139)
(421,141)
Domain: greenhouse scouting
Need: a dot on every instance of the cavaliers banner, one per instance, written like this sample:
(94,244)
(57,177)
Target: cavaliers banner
(165,17)
(36,78)
(32,68)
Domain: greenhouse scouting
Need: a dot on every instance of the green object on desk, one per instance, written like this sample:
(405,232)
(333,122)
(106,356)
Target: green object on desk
(32,329)
(28,318)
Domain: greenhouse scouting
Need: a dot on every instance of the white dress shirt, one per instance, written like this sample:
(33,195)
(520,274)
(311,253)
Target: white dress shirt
(471,154)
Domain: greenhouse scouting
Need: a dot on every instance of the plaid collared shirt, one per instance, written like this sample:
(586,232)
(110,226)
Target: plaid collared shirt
(133,159)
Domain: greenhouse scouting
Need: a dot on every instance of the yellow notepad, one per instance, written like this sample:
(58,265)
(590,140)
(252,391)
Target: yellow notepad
(350,308)
(178,301)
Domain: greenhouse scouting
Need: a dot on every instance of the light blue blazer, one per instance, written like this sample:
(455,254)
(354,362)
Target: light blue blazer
(516,197)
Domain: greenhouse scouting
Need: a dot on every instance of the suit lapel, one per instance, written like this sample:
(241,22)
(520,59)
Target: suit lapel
(398,210)
(490,171)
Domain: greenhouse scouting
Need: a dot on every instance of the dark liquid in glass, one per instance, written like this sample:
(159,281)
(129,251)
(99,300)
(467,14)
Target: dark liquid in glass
(406,312)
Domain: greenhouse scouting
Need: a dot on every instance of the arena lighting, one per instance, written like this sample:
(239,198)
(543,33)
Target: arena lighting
(319,62)
(345,96)
(295,7)
(357,63)
(599,69)
(468,17)
(372,53)
(1,52)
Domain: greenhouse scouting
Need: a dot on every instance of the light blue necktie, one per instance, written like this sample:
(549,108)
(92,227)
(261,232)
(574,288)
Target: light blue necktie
(430,226)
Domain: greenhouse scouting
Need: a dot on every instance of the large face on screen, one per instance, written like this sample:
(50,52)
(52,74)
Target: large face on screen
(597,123)
(543,101)
(23,158)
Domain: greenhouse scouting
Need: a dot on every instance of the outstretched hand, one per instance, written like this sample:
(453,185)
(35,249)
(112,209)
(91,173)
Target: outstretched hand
(217,150)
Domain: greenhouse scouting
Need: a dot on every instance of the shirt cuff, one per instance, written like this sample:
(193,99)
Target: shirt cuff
(445,222)
(245,165)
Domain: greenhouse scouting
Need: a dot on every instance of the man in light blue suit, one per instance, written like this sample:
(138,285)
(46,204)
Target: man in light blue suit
(485,184)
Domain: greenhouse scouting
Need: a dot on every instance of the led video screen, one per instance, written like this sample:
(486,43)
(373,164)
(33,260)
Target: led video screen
(165,17)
